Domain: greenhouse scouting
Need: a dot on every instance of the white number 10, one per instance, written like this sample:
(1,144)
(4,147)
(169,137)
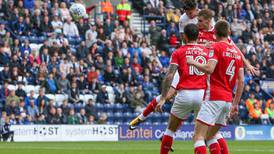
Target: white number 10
(193,70)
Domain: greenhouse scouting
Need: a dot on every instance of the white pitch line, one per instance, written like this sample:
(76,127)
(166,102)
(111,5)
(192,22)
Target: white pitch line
(127,149)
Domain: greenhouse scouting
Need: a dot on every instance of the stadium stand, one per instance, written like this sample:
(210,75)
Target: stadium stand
(57,70)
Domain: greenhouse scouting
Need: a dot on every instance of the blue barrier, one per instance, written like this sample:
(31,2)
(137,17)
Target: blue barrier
(154,132)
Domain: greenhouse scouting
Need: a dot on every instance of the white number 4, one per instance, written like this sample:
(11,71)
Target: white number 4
(230,70)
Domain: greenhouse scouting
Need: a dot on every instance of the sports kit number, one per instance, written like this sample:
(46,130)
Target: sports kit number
(193,70)
(230,69)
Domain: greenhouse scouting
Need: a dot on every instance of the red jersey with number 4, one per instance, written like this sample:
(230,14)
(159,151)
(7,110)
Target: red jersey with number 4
(223,79)
(190,77)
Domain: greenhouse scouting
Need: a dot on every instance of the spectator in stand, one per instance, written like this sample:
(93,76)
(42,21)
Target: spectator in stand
(82,116)
(42,98)
(74,96)
(103,118)
(89,108)
(154,32)
(12,97)
(12,108)
(123,11)
(70,29)
(269,110)
(20,92)
(32,109)
(63,84)
(163,41)
(72,118)
(102,96)
(52,117)
(62,117)
(120,93)
(51,84)
(256,114)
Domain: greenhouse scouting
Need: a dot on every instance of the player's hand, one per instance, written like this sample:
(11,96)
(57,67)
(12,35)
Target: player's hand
(159,107)
(189,61)
(253,70)
(233,111)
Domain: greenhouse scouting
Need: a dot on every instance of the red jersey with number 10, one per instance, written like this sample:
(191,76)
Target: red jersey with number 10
(223,79)
(190,77)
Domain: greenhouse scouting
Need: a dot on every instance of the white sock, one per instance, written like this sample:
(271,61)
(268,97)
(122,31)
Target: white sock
(158,98)
(211,141)
(142,117)
(199,143)
(218,136)
(169,133)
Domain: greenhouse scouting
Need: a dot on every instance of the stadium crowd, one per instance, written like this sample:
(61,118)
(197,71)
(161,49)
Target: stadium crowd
(43,46)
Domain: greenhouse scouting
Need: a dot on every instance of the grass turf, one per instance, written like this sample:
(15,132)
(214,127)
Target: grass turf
(126,147)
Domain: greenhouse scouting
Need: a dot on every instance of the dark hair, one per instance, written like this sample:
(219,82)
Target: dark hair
(191,31)
(189,4)
(222,28)
(206,14)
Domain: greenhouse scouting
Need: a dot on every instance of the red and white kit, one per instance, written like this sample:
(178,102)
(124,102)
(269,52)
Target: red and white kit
(216,108)
(192,83)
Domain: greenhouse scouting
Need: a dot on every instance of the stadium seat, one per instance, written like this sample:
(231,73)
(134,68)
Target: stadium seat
(59,98)
(33,39)
(88,96)
(29,88)
(111,98)
(41,39)
(118,107)
(36,89)
(110,90)
(50,96)
(12,87)
(99,107)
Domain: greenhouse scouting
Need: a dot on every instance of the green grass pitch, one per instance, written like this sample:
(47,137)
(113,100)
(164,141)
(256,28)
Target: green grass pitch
(126,147)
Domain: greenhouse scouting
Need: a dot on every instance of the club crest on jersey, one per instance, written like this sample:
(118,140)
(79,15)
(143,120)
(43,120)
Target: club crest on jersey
(211,53)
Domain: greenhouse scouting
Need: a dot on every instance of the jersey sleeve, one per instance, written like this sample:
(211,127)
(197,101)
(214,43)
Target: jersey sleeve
(213,53)
(174,58)
(175,80)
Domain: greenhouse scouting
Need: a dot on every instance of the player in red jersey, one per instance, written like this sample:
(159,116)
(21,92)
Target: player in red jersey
(191,86)
(225,66)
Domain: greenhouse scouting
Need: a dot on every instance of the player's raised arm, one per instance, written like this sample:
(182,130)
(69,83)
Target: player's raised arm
(239,91)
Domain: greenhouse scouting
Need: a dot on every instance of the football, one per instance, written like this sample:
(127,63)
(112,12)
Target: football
(78,10)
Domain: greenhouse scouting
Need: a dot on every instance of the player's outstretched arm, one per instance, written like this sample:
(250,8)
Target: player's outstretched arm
(239,91)
(206,68)
(166,85)
(253,70)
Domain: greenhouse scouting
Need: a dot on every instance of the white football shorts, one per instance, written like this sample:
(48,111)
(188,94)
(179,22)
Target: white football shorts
(186,101)
(214,113)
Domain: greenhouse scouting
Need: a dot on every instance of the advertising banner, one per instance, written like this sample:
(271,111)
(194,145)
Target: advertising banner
(154,132)
(253,132)
(65,132)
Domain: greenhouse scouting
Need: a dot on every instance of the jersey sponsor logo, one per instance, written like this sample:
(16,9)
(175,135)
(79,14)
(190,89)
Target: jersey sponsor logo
(211,53)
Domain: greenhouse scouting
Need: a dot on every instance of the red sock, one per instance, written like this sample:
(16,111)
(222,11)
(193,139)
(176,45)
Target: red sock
(200,150)
(166,144)
(215,148)
(223,146)
(150,108)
